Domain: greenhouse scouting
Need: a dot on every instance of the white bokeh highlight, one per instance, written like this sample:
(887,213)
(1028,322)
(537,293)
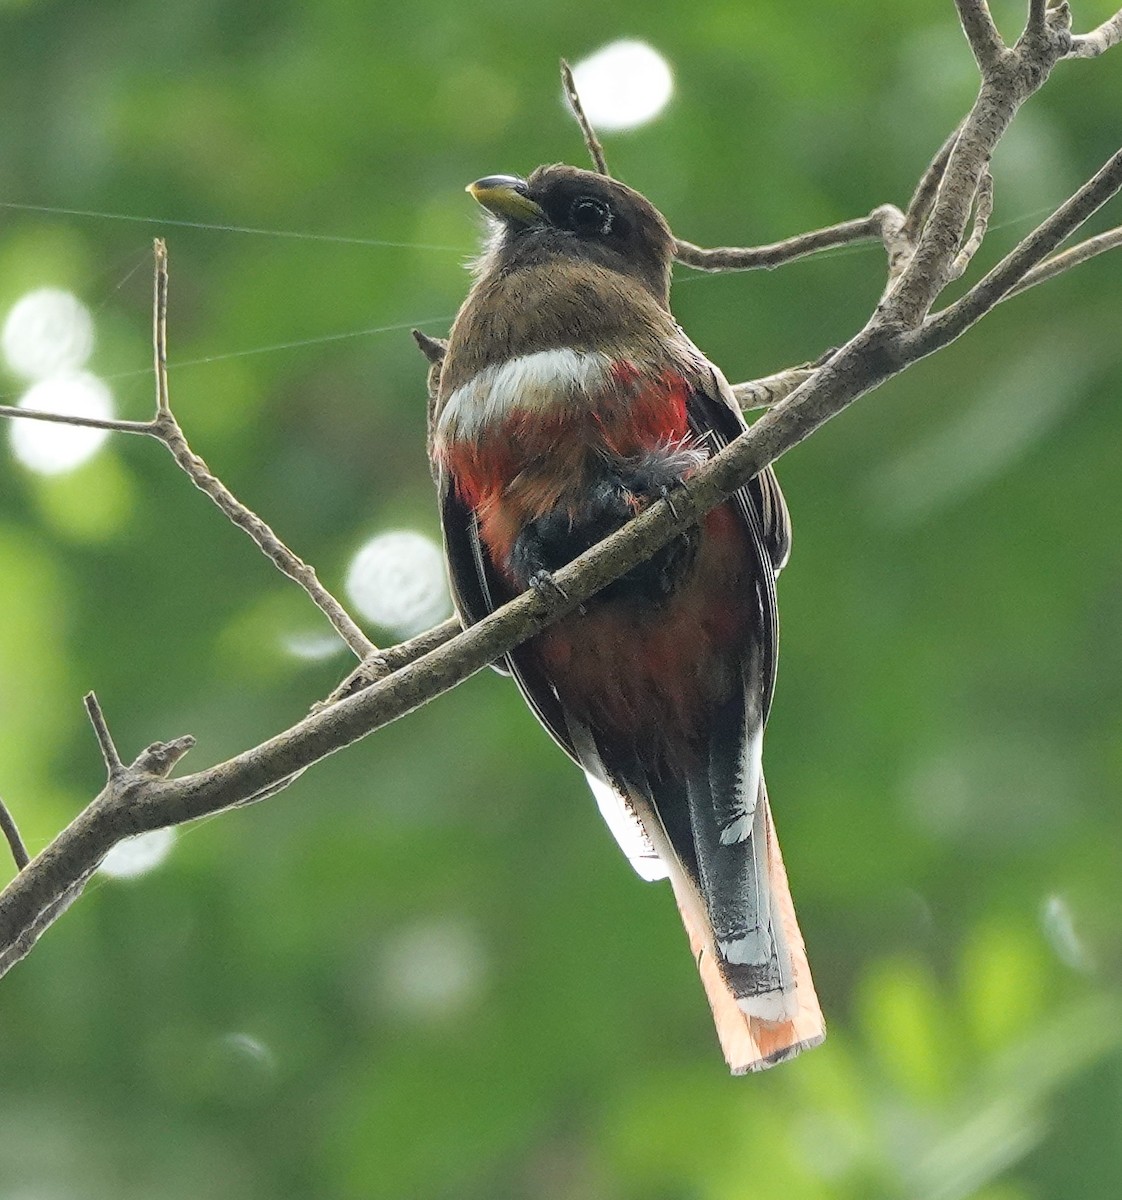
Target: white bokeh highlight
(623,85)
(47,331)
(433,969)
(1058,923)
(312,646)
(397,581)
(138,855)
(50,448)
(249,1051)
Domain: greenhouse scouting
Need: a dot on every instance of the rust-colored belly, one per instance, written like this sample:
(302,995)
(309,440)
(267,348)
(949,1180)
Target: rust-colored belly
(655,671)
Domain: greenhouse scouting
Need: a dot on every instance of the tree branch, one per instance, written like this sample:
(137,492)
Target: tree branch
(1058,263)
(42,891)
(981,32)
(1098,41)
(160,326)
(1007,81)
(983,210)
(168,430)
(768,391)
(385,662)
(897,334)
(1013,272)
(34,414)
(919,207)
(54,879)
(1037,17)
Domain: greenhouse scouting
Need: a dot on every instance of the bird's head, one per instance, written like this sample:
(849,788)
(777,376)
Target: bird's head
(563,212)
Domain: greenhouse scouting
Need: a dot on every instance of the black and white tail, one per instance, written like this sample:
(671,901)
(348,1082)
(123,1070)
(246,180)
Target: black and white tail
(722,858)
(756,978)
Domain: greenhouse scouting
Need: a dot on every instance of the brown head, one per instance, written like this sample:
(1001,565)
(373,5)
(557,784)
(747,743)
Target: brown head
(562,212)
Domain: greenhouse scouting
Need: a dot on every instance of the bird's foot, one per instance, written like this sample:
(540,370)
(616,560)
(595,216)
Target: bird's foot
(666,494)
(547,588)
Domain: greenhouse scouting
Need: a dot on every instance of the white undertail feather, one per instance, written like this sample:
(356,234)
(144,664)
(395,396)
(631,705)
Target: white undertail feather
(740,827)
(628,830)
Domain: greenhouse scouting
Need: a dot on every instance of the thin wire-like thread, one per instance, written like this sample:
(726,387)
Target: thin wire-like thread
(117,376)
(338,239)
(316,341)
(109,292)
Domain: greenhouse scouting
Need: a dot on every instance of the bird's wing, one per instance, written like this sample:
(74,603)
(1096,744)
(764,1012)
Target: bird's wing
(477,590)
(470,575)
(715,418)
(714,407)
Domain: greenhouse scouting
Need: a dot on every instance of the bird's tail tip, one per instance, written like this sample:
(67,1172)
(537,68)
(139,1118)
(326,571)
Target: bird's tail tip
(789,1051)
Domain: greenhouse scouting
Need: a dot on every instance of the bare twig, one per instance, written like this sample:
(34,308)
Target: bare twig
(169,432)
(591,141)
(1007,81)
(1037,16)
(747,258)
(919,207)
(159,758)
(75,854)
(900,238)
(55,899)
(1058,263)
(160,326)
(1048,23)
(897,245)
(393,658)
(11,834)
(267,541)
(897,231)
(34,414)
(113,764)
(432,348)
(768,391)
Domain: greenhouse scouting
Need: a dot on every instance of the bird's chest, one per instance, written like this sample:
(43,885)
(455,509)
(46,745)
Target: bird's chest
(527,434)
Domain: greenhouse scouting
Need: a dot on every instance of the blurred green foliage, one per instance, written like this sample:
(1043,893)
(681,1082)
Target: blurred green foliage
(425,970)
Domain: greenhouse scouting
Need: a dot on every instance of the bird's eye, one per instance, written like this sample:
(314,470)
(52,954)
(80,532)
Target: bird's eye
(589,215)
